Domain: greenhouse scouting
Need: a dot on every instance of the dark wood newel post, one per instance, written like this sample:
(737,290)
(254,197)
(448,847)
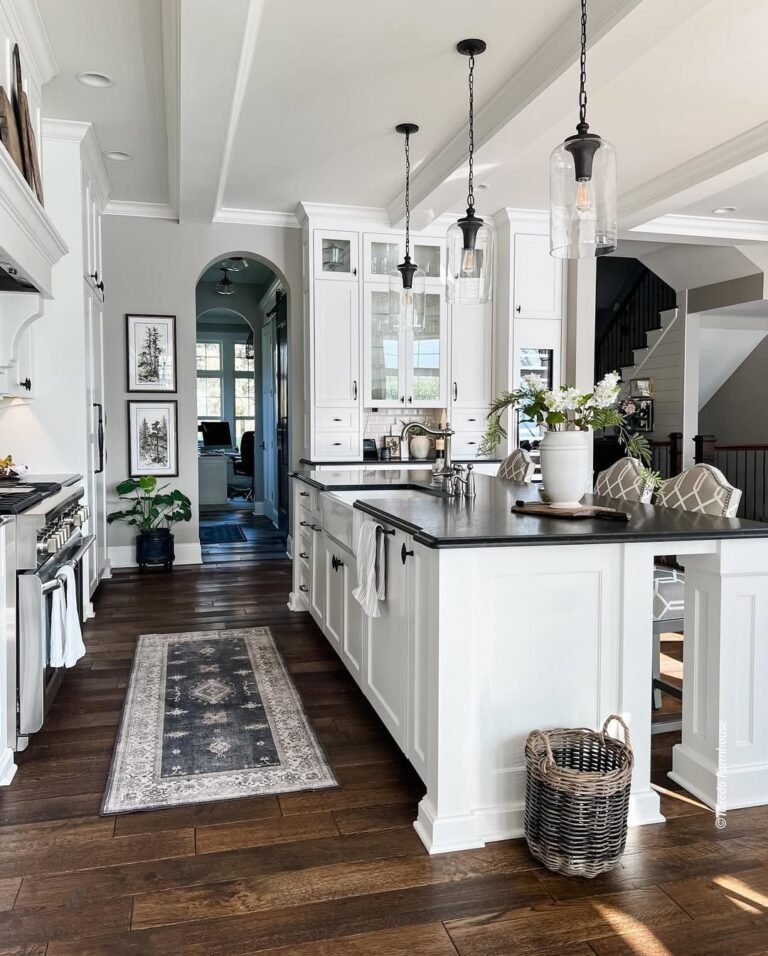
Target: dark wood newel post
(704,449)
(675,453)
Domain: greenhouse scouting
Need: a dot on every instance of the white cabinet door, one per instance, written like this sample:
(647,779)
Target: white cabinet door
(352,643)
(96,424)
(336,256)
(426,356)
(421,570)
(384,348)
(336,345)
(471,356)
(538,290)
(381,255)
(386,664)
(334,592)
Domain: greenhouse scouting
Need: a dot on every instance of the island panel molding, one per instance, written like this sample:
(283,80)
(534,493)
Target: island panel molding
(150,349)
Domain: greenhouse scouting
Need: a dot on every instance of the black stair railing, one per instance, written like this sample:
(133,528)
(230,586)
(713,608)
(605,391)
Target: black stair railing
(638,313)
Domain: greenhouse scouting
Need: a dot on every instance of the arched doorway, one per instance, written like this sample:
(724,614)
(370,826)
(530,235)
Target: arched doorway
(241,407)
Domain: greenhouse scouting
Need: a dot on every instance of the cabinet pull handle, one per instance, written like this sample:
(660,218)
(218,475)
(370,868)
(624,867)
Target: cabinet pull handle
(404,553)
(455,392)
(303,554)
(337,444)
(471,442)
(471,419)
(337,419)
(384,531)
(304,588)
(305,524)
(519,309)
(354,271)
(354,390)
(304,494)
(316,527)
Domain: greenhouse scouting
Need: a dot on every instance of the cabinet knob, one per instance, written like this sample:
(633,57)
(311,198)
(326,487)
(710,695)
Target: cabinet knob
(455,391)
(304,494)
(336,563)
(410,399)
(27,383)
(402,399)
(404,553)
(304,588)
(303,554)
(519,309)
(354,271)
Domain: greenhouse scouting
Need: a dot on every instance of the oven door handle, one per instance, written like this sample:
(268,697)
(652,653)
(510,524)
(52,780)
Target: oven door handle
(85,547)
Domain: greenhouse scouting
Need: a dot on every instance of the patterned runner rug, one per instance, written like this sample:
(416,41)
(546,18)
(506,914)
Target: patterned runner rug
(211,715)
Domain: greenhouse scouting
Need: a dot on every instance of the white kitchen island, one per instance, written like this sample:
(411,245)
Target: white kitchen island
(497,623)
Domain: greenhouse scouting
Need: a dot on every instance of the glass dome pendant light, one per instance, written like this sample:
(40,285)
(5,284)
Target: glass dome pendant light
(582,182)
(470,240)
(226,286)
(235,263)
(407,283)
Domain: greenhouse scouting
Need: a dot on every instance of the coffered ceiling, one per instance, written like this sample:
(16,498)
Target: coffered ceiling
(241,117)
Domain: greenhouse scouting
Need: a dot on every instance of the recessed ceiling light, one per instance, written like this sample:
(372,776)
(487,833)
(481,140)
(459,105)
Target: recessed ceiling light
(481,186)
(117,155)
(723,210)
(92,78)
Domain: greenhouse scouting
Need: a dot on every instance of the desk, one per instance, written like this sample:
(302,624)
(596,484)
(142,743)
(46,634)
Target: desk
(212,473)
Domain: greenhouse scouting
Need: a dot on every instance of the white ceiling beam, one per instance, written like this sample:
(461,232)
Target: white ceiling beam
(215,55)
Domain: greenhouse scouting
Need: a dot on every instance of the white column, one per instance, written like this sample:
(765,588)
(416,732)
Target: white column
(580,323)
(723,757)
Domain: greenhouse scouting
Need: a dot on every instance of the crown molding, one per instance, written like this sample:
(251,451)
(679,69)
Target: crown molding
(706,227)
(146,210)
(373,215)
(29,30)
(74,131)
(257,217)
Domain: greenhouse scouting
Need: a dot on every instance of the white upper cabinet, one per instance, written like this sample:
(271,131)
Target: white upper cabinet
(336,255)
(538,279)
(381,255)
(404,368)
(471,355)
(91,212)
(429,256)
(336,355)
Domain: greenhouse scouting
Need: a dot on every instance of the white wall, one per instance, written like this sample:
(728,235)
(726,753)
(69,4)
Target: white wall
(153,266)
(664,364)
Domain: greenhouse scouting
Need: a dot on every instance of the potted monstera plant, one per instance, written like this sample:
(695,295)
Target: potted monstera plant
(152,510)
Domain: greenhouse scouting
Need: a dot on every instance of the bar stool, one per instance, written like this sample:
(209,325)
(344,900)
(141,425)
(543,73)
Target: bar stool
(518,466)
(703,489)
(624,480)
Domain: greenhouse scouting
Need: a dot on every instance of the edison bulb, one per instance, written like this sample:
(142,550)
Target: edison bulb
(468,261)
(584,196)
(407,297)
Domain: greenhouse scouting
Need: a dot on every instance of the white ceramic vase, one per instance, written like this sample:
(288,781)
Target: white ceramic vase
(565,467)
(420,446)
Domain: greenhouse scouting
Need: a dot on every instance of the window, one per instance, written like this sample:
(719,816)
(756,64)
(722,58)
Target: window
(209,383)
(245,398)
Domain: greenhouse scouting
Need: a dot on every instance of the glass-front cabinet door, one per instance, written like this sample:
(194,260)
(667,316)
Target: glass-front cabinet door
(427,349)
(385,385)
(429,255)
(381,255)
(336,255)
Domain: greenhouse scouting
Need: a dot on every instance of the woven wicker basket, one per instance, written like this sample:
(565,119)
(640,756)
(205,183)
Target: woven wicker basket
(577,798)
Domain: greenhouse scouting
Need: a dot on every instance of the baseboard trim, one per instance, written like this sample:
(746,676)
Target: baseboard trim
(124,556)
(7,767)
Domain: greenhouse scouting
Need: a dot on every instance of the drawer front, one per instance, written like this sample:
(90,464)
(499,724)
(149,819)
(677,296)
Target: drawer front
(309,501)
(337,445)
(469,419)
(304,552)
(336,519)
(465,444)
(336,419)
(304,579)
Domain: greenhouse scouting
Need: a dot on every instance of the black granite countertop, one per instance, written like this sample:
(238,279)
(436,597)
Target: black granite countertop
(487,521)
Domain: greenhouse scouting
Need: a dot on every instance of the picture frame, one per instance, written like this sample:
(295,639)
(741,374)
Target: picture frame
(638,414)
(392,442)
(150,349)
(153,438)
(641,388)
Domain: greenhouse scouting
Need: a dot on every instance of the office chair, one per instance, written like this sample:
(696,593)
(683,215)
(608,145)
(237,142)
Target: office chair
(245,465)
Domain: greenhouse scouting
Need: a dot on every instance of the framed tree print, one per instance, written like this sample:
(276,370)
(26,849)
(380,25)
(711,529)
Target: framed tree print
(151,352)
(153,445)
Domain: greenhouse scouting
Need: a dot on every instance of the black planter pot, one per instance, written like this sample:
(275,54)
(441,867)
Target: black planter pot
(155,548)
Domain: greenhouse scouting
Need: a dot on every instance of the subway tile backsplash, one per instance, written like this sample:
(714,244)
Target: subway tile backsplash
(389,421)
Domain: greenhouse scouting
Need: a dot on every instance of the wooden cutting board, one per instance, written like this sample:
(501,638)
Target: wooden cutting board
(575,514)
(9,133)
(26,133)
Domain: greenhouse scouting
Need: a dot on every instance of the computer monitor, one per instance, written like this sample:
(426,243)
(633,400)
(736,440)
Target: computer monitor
(216,434)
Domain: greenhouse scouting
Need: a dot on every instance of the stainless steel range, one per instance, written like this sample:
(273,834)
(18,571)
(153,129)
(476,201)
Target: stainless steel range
(49,535)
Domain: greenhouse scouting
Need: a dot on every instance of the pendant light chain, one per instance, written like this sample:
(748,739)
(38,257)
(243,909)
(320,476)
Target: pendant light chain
(407,194)
(471,192)
(583,78)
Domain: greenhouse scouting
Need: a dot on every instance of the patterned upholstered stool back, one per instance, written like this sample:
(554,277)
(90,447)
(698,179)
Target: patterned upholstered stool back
(517,467)
(701,488)
(623,480)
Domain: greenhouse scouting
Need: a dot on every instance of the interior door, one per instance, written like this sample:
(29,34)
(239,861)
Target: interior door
(268,421)
(281,391)
(96,489)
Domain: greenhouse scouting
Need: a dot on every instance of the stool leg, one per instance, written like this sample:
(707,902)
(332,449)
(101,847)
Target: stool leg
(656,670)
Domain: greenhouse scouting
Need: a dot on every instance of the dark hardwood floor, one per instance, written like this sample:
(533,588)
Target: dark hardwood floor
(334,873)
(262,540)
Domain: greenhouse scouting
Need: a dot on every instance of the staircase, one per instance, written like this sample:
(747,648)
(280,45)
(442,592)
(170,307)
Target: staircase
(636,314)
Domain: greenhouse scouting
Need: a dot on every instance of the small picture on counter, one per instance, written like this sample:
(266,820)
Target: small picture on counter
(638,414)
(641,387)
(152,438)
(151,353)
(392,442)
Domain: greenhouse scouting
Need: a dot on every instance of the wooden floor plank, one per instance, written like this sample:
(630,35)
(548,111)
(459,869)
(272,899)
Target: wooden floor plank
(214,839)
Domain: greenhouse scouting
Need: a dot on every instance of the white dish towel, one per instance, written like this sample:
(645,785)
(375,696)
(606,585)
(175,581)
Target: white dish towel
(67,645)
(371,568)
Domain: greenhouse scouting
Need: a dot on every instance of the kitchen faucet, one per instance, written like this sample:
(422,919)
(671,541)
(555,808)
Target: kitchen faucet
(447,471)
